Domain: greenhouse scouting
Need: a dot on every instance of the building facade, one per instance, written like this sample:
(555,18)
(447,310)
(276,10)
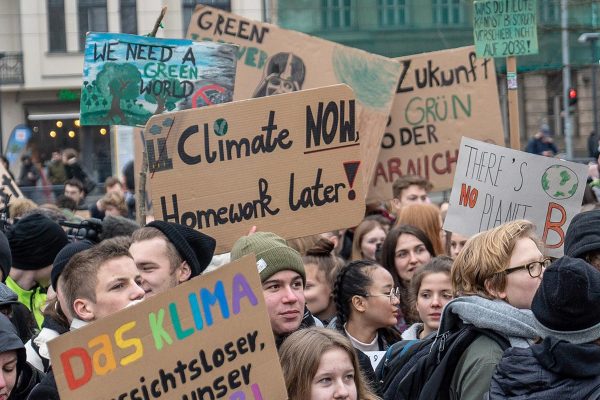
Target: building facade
(395,28)
(41,64)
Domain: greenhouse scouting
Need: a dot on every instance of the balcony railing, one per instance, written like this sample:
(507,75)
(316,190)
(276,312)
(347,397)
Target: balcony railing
(11,68)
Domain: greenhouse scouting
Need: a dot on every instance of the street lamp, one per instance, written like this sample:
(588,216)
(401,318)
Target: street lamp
(592,38)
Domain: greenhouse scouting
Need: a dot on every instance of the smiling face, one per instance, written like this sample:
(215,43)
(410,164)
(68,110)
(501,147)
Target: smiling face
(335,377)
(434,293)
(284,297)
(410,254)
(370,241)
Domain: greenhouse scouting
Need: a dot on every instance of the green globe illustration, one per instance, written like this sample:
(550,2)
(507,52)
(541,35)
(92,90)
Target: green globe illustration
(559,182)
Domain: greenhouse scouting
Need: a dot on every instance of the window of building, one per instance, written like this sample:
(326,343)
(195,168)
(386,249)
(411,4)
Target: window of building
(188,6)
(448,12)
(92,18)
(391,12)
(128,17)
(337,14)
(57,38)
(549,11)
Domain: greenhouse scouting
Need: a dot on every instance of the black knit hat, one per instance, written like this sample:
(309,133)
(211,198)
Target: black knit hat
(63,257)
(566,304)
(583,234)
(5,257)
(194,247)
(34,241)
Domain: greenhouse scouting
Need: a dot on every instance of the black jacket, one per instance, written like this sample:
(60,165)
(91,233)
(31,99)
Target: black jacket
(46,390)
(552,369)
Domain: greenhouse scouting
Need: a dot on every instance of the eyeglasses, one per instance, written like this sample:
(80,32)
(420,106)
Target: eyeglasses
(394,294)
(534,268)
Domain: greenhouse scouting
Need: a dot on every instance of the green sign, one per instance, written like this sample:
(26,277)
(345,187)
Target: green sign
(503,28)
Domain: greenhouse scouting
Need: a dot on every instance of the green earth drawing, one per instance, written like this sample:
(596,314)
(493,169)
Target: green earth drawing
(559,182)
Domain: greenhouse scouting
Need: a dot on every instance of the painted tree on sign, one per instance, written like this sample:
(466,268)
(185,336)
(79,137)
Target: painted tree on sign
(163,100)
(118,82)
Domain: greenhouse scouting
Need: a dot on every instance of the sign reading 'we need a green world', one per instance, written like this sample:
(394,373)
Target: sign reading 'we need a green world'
(503,28)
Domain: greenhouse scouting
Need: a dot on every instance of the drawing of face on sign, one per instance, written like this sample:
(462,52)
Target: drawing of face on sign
(284,73)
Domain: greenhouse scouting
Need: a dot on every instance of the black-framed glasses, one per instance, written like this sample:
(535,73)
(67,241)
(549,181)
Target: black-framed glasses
(534,268)
(393,294)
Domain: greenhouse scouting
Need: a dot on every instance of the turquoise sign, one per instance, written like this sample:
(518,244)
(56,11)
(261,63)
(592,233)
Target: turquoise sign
(503,28)
(127,78)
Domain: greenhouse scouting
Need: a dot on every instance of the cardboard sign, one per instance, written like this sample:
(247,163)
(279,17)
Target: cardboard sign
(441,96)
(209,337)
(9,187)
(494,185)
(272,60)
(129,78)
(505,28)
(288,164)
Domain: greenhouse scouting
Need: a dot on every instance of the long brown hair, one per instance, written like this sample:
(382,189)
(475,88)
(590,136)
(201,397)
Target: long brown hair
(300,356)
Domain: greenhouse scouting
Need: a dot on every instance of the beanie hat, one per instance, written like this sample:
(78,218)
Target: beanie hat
(272,254)
(34,241)
(5,257)
(7,296)
(566,304)
(194,247)
(583,234)
(63,257)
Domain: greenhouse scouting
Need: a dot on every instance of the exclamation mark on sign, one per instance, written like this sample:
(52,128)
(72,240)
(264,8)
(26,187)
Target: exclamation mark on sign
(351,168)
(529,45)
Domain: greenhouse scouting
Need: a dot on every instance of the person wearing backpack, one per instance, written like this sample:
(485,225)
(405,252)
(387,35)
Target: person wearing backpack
(565,364)
(496,274)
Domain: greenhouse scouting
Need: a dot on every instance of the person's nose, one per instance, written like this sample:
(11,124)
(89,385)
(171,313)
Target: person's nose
(413,258)
(436,301)
(341,390)
(138,292)
(289,295)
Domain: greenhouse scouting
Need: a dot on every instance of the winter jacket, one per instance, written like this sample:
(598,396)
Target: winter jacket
(46,390)
(34,299)
(471,378)
(552,369)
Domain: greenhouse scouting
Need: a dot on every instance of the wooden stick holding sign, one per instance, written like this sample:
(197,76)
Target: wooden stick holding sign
(506,29)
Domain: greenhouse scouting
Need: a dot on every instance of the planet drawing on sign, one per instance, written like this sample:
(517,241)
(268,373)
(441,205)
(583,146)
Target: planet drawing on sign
(559,182)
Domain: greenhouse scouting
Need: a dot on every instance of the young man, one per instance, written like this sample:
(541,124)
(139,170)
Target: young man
(582,239)
(74,190)
(34,240)
(409,189)
(100,281)
(168,254)
(283,278)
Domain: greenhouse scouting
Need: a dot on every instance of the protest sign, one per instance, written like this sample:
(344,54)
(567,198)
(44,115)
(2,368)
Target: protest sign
(209,337)
(289,164)
(441,96)
(505,28)
(494,185)
(272,60)
(129,78)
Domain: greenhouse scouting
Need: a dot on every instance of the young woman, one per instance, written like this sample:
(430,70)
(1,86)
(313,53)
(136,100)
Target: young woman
(367,236)
(430,290)
(456,243)
(427,218)
(321,267)
(367,305)
(404,250)
(320,364)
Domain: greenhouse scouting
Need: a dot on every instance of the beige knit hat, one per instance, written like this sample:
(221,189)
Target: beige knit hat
(272,254)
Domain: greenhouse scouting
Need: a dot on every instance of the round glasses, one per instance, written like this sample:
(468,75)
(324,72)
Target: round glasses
(393,294)
(534,268)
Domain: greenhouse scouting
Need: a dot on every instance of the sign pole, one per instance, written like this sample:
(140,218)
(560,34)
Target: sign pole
(513,102)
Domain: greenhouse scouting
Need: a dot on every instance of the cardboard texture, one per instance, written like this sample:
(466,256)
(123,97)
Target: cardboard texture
(494,185)
(272,60)
(208,335)
(9,187)
(129,78)
(288,164)
(504,28)
(441,96)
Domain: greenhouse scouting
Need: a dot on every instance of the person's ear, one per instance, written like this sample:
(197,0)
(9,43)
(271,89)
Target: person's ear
(498,294)
(359,303)
(84,309)
(184,272)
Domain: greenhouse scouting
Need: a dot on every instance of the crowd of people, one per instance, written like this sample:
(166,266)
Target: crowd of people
(455,317)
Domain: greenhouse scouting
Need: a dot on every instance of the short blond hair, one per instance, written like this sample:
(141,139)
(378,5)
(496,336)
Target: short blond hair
(485,258)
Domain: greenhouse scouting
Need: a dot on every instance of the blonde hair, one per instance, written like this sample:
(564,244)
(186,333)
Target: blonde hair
(300,356)
(485,258)
(116,200)
(18,207)
(366,226)
(426,217)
